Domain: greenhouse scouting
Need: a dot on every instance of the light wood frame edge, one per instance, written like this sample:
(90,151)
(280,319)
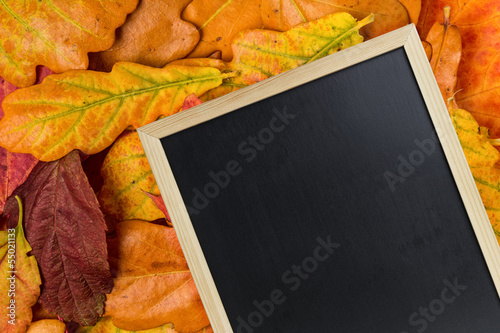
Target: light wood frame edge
(454,155)
(406,37)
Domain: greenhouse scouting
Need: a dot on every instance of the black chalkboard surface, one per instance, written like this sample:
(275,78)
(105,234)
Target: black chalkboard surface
(331,207)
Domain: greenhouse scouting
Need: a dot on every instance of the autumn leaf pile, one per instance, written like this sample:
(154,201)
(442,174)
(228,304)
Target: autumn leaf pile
(94,246)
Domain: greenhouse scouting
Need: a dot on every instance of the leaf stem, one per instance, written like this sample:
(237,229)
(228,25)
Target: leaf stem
(20,221)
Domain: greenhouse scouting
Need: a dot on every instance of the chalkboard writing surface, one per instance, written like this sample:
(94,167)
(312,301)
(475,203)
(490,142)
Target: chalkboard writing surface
(332,207)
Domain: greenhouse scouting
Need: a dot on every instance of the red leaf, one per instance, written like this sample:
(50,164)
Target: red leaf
(14,169)
(66,230)
(160,204)
(190,101)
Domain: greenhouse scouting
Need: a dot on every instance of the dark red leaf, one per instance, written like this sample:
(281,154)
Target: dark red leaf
(66,230)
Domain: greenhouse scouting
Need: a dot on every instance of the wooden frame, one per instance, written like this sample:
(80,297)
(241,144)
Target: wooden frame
(405,37)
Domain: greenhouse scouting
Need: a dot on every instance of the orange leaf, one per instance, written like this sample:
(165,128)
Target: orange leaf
(259,54)
(446,46)
(88,110)
(105,325)
(148,257)
(153,35)
(127,175)
(413,7)
(47,326)
(281,15)
(57,34)
(218,21)
(479,69)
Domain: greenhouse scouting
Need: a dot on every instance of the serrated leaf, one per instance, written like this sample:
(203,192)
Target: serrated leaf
(20,270)
(482,158)
(127,174)
(281,15)
(57,34)
(66,230)
(153,35)
(259,54)
(148,257)
(88,110)
(218,21)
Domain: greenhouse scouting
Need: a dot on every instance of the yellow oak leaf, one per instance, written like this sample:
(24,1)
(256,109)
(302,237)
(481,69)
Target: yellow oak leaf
(20,286)
(281,15)
(153,35)
(148,257)
(126,176)
(56,33)
(482,158)
(259,54)
(218,21)
(87,110)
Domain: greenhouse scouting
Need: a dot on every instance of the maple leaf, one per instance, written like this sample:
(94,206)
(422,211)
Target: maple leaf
(126,174)
(47,326)
(218,21)
(66,230)
(446,50)
(20,285)
(482,158)
(87,110)
(57,34)
(153,35)
(479,69)
(259,54)
(281,15)
(147,256)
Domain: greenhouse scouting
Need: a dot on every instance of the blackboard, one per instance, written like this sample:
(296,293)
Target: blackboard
(340,204)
